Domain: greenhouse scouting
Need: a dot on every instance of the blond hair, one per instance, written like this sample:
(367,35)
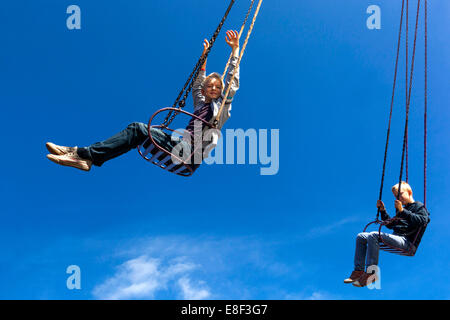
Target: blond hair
(404,186)
(213,75)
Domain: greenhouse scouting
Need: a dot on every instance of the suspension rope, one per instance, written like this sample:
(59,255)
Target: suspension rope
(216,120)
(425,111)
(406,83)
(408,101)
(240,34)
(391,108)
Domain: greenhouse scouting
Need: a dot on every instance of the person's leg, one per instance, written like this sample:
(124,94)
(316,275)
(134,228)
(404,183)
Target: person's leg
(367,249)
(373,248)
(390,239)
(396,241)
(134,135)
(120,143)
(360,258)
(361,251)
(164,139)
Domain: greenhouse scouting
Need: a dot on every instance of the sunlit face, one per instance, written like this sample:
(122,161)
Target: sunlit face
(213,89)
(405,195)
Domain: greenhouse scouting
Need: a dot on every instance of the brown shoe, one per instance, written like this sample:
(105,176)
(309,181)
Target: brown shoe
(59,150)
(365,279)
(354,276)
(71,160)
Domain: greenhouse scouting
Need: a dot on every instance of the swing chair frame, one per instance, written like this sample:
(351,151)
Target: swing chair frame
(164,158)
(392,249)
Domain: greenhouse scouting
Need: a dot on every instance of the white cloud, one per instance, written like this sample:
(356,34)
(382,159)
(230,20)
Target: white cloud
(194,268)
(191,293)
(141,278)
(314,295)
(330,228)
(318,296)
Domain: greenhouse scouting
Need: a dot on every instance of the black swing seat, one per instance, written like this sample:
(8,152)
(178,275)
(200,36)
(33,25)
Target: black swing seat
(154,153)
(162,158)
(392,249)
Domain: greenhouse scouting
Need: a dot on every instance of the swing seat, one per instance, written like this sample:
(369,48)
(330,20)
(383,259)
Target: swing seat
(392,249)
(398,251)
(160,156)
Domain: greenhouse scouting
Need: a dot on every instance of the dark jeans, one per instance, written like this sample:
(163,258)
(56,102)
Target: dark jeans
(134,135)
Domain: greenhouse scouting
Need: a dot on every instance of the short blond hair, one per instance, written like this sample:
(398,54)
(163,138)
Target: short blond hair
(213,75)
(404,186)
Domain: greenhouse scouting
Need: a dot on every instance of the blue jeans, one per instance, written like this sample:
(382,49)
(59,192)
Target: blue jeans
(368,248)
(129,138)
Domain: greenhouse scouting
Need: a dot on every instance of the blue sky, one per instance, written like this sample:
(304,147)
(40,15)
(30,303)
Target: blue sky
(312,69)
